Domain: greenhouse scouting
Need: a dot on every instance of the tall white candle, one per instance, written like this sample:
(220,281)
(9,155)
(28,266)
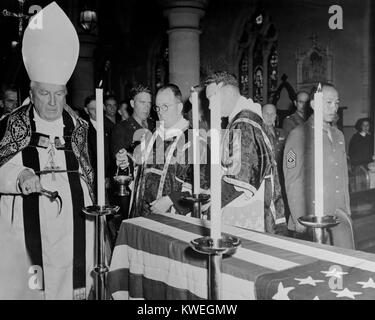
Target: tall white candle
(196,154)
(318,151)
(100,147)
(215,169)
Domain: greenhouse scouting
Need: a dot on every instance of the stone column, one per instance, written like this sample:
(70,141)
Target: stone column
(365,108)
(184,50)
(82,81)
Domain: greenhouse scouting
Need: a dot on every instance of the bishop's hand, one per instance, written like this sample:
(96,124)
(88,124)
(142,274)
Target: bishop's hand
(29,182)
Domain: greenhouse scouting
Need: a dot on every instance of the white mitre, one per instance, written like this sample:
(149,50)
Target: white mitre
(50,46)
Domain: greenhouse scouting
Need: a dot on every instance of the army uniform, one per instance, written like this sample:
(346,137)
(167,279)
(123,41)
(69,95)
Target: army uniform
(298,169)
(291,122)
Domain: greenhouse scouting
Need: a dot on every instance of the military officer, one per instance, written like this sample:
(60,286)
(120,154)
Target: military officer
(299,116)
(298,169)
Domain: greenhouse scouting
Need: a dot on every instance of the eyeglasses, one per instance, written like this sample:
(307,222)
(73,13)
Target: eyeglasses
(163,108)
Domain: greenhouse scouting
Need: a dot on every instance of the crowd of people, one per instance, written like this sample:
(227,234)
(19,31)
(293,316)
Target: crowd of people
(267,171)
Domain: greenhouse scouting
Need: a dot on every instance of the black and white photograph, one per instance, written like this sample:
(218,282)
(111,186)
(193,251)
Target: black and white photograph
(204,151)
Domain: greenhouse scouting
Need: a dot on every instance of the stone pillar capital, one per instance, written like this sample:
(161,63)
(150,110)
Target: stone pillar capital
(200,4)
(184,14)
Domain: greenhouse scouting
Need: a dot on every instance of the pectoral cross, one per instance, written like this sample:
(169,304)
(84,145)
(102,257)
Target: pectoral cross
(51,165)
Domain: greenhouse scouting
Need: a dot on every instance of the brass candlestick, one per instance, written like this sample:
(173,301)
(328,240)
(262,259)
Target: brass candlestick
(215,249)
(319,226)
(100,266)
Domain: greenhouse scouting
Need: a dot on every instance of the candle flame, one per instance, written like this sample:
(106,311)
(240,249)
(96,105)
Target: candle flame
(319,88)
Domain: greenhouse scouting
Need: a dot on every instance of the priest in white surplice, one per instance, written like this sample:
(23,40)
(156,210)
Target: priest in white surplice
(48,255)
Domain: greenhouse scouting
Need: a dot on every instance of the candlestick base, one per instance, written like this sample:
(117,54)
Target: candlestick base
(197,200)
(319,226)
(100,267)
(96,210)
(215,249)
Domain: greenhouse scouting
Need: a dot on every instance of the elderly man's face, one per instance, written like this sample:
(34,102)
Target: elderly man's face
(168,108)
(10,101)
(49,100)
(141,105)
(269,114)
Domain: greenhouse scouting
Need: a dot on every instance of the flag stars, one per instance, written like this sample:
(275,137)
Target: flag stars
(368,284)
(334,273)
(308,280)
(282,293)
(346,293)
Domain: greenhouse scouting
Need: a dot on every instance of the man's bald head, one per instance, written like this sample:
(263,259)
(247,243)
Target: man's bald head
(301,102)
(269,114)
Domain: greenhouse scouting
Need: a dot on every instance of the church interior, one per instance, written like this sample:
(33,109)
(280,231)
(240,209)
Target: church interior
(274,48)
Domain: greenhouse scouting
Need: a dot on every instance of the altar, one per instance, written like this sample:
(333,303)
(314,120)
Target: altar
(152,259)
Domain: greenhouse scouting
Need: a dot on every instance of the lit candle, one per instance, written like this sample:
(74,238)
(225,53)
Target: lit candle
(196,155)
(215,169)
(100,147)
(318,151)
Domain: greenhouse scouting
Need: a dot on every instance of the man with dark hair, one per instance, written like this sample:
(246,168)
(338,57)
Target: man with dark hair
(249,196)
(110,108)
(123,132)
(299,116)
(299,169)
(9,100)
(165,166)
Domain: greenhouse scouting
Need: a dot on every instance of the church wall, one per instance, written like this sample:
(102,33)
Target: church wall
(296,22)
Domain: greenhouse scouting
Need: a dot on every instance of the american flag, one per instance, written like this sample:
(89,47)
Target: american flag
(319,280)
(153,259)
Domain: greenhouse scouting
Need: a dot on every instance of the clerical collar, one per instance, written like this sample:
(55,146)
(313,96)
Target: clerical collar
(180,126)
(363,134)
(245,104)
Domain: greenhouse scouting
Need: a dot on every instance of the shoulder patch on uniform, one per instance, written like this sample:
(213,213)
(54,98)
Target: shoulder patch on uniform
(291,159)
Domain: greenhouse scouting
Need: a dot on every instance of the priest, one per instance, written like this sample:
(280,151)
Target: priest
(43,146)
(251,194)
(164,170)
